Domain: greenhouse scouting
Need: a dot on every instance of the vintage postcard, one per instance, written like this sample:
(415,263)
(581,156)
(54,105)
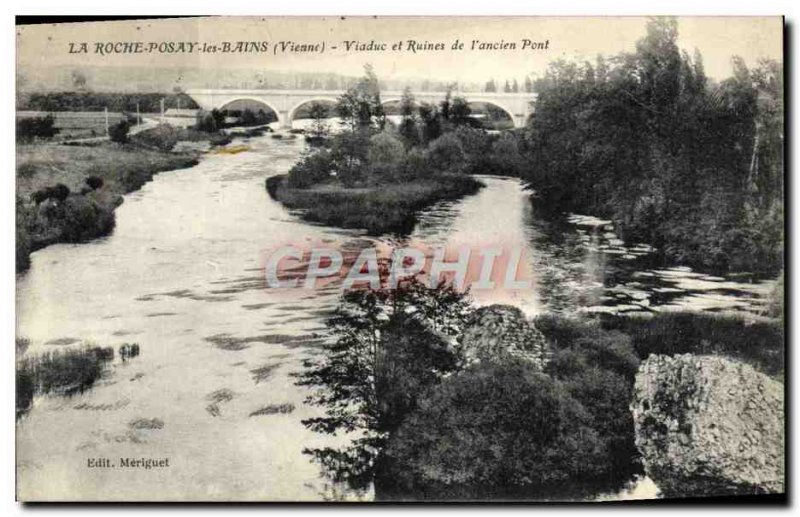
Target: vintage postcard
(382,259)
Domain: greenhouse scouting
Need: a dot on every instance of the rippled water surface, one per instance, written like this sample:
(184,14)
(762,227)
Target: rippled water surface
(182,276)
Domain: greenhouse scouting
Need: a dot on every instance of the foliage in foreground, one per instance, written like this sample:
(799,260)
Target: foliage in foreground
(493,431)
(427,425)
(390,347)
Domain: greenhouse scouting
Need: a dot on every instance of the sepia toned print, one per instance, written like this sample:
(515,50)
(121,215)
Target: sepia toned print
(373,259)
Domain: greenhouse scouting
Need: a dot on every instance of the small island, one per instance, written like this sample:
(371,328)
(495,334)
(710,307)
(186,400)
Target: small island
(375,174)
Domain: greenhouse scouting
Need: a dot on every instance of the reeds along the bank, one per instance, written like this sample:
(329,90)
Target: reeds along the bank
(62,372)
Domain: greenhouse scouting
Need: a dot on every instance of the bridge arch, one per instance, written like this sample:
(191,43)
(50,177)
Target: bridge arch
(224,106)
(293,111)
(512,117)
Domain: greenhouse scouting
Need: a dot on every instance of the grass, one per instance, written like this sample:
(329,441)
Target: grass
(63,372)
(759,343)
(387,208)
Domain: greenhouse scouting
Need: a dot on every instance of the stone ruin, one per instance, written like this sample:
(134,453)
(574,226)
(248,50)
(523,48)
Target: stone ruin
(709,426)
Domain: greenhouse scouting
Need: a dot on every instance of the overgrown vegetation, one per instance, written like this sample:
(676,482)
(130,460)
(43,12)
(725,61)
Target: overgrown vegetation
(759,343)
(691,166)
(375,176)
(63,372)
(390,347)
(31,128)
(430,424)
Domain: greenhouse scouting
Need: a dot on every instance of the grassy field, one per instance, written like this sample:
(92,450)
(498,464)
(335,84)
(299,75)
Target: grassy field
(388,208)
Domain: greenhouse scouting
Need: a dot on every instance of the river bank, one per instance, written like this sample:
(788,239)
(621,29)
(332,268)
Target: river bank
(68,193)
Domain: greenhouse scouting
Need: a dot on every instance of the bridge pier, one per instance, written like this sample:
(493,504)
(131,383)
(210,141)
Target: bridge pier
(284,121)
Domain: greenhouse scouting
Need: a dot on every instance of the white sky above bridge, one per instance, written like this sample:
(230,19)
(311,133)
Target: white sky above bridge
(44,48)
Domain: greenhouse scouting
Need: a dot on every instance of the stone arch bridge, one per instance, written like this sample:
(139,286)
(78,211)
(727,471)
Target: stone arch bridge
(285,103)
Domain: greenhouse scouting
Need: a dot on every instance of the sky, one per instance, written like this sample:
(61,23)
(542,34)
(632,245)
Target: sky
(42,49)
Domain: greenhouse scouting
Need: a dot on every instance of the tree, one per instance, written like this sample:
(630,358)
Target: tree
(319,114)
(507,87)
(674,160)
(460,112)
(79,81)
(528,84)
(119,132)
(431,122)
(446,154)
(408,122)
(490,86)
(515,87)
(390,345)
(360,106)
(444,106)
(313,168)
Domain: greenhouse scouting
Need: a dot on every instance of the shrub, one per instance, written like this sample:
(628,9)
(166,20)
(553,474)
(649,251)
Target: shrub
(94,182)
(33,127)
(210,122)
(385,154)
(60,192)
(506,156)
(445,154)
(119,132)
(349,151)
(492,431)
(415,166)
(598,368)
(162,137)
(313,168)
(84,219)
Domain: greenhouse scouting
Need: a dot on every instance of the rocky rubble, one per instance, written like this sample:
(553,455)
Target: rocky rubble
(498,331)
(707,426)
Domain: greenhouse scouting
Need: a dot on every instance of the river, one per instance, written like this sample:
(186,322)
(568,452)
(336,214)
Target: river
(213,390)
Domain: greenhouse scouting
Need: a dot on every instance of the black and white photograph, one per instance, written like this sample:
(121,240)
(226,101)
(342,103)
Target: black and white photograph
(400,259)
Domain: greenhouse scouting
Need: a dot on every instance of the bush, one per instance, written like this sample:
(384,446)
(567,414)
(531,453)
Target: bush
(492,431)
(415,165)
(58,193)
(385,155)
(94,182)
(33,127)
(313,168)
(445,154)
(210,122)
(119,132)
(162,137)
(84,219)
